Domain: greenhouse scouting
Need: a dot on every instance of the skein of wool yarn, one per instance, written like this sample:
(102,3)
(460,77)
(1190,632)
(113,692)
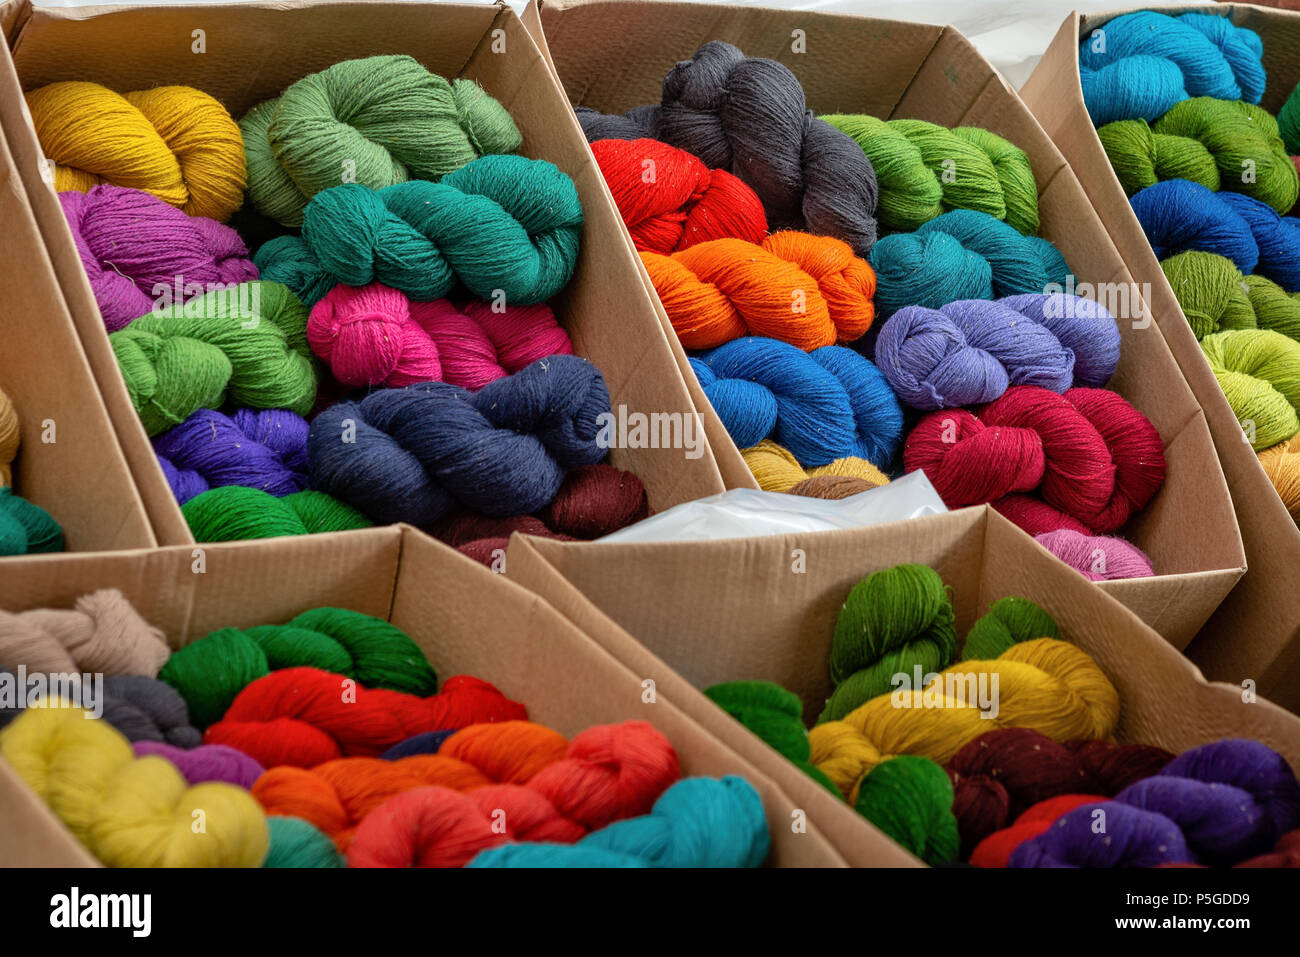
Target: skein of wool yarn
(26,528)
(139,707)
(421,451)
(924,169)
(128,811)
(1282,466)
(996,849)
(1097,557)
(132,244)
(10,439)
(102,633)
(207,762)
(823,405)
(1088,452)
(963,254)
(1288,122)
(698,822)
(385,118)
(501,226)
(775,715)
(1045,684)
(1213,293)
(671,201)
(264,449)
(809,291)
(1177,215)
(748,115)
(247,344)
(1274,307)
(910,798)
(210,673)
(1278,239)
(1136,87)
(1084,326)
(234,513)
(1259,373)
(295,843)
(1142,158)
(375,335)
(297,716)
(777,470)
(1036,517)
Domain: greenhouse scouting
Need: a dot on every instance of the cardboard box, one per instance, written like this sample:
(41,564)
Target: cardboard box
(255,50)
(707,612)
(1255,634)
(613,54)
(466,619)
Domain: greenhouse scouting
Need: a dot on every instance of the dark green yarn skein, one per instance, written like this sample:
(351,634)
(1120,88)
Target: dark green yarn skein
(1008,622)
(910,799)
(776,716)
(26,529)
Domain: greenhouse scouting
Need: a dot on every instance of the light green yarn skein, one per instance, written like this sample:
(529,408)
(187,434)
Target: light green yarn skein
(1211,290)
(1259,372)
(1142,158)
(376,121)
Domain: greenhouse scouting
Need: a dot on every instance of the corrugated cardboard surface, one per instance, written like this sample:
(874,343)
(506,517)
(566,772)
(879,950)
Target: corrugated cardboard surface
(698,613)
(466,619)
(1255,634)
(257,49)
(612,55)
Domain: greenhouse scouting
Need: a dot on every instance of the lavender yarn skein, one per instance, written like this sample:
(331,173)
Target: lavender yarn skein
(256,448)
(1082,325)
(207,762)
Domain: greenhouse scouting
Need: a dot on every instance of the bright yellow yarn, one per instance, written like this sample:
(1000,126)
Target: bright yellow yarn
(9,438)
(1045,684)
(776,470)
(130,812)
(175,142)
(1282,466)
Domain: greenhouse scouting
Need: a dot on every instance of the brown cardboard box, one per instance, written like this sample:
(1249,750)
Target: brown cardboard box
(70,462)
(257,49)
(612,55)
(707,612)
(466,619)
(1255,634)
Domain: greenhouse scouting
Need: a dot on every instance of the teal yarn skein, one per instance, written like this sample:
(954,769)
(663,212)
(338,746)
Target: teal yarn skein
(295,843)
(498,226)
(247,344)
(775,715)
(26,528)
(386,119)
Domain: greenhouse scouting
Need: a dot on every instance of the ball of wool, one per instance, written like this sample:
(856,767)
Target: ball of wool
(26,528)
(501,226)
(128,811)
(1136,87)
(1278,239)
(1141,158)
(234,513)
(1211,290)
(10,439)
(1244,141)
(1089,452)
(414,454)
(809,291)
(1097,557)
(1282,466)
(134,246)
(295,843)
(777,470)
(1288,122)
(821,405)
(1177,215)
(210,672)
(246,344)
(385,119)
(174,142)
(775,715)
(962,254)
(297,716)
(102,633)
(1259,373)
(671,201)
(207,762)
(375,335)
(263,449)
(910,799)
(923,169)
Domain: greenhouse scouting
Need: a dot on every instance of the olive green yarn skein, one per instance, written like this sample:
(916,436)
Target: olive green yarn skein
(1211,290)
(1259,373)
(1142,158)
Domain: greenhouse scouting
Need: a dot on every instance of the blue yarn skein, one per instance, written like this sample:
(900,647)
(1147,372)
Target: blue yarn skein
(1277,237)
(1178,215)
(1136,87)
(698,822)
(1242,49)
(256,448)
(427,743)
(821,405)
(422,450)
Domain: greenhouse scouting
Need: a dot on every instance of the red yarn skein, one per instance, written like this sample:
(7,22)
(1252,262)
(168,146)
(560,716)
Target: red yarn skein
(996,849)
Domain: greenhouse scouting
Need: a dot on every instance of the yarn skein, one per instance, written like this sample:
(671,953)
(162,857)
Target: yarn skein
(1282,466)
(1142,158)
(26,528)
(1259,373)
(1097,557)
(263,449)
(102,633)
(207,762)
(777,470)
(1178,215)
(775,715)
(235,512)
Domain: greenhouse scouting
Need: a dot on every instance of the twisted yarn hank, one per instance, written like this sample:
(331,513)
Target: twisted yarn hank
(235,513)
(26,528)
(1259,373)
(264,449)
(101,633)
(777,470)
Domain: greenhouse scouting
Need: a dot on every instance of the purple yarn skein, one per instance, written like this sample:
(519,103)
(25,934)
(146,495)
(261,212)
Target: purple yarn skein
(131,242)
(207,762)
(258,448)
(1082,325)
(1133,838)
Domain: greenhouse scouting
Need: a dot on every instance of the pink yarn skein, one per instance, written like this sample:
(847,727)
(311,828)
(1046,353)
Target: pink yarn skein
(131,242)
(374,335)
(1097,557)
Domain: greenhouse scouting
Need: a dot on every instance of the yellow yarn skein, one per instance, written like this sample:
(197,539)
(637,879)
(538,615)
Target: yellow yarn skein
(1044,684)
(129,811)
(1282,466)
(776,470)
(9,439)
(175,142)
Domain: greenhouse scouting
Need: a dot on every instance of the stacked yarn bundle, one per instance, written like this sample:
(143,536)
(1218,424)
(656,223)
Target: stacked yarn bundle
(1212,180)
(249,726)
(25,528)
(323,382)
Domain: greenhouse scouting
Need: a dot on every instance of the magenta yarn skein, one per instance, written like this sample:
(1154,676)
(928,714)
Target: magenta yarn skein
(207,762)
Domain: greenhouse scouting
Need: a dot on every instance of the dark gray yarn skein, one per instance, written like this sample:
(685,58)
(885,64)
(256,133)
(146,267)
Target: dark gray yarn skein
(747,115)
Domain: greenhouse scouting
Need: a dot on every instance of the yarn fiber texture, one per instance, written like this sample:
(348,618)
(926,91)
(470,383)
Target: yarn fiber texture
(1259,373)
(1178,215)
(1097,557)
(139,707)
(910,799)
(809,291)
(235,512)
(175,142)
(1142,158)
(670,201)
(376,336)
(823,405)
(295,843)
(1282,466)
(747,115)
(247,345)
(924,169)
(1288,122)
(26,528)
(262,449)
(101,633)
(775,715)
(421,451)
(131,243)
(385,119)
(500,226)
(777,470)
(207,762)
